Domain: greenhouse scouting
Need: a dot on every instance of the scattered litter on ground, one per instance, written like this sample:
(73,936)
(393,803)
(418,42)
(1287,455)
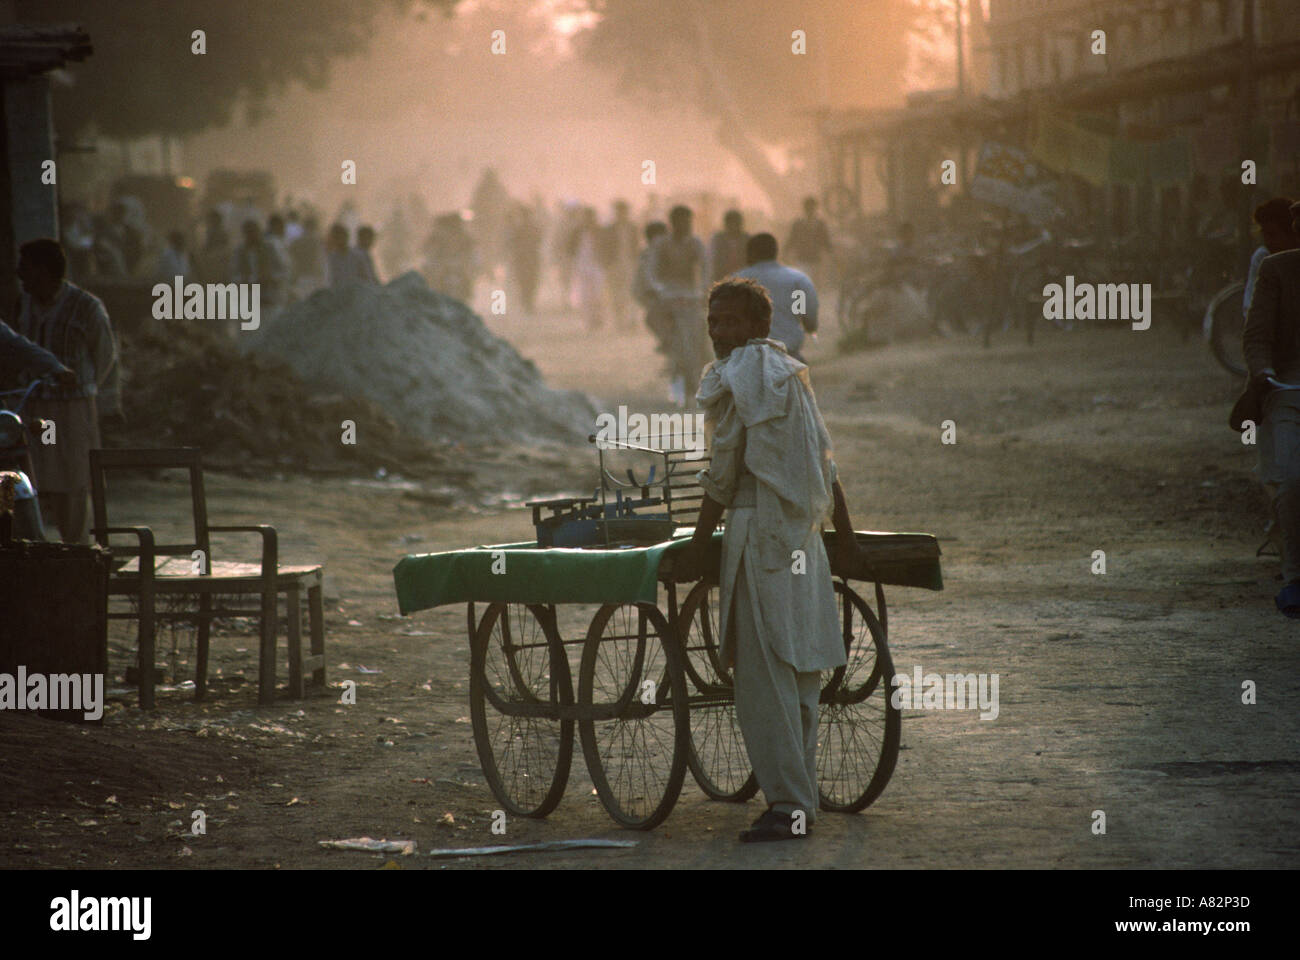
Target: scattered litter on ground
(404,847)
(532,847)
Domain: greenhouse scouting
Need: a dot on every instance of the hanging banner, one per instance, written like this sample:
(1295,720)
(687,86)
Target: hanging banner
(1008,178)
(1067,147)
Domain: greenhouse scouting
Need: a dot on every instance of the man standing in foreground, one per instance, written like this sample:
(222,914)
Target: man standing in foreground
(772,469)
(1271,342)
(794,299)
(73,325)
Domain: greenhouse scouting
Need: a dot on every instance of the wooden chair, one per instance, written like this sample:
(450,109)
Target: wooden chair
(147,570)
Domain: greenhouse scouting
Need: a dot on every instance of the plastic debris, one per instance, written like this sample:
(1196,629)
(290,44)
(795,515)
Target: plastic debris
(404,847)
(532,847)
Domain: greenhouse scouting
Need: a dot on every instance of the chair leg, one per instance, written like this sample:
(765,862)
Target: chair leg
(201,647)
(146,644)
(293,602)
(316,612)
(266,657)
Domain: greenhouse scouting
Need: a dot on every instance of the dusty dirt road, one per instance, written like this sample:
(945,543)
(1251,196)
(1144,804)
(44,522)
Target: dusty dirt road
(1119,692)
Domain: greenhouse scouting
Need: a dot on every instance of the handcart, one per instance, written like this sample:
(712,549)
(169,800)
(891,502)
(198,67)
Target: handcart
(652,698)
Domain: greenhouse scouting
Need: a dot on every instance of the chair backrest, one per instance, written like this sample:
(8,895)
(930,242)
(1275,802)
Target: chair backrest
(184,458)
(683,493)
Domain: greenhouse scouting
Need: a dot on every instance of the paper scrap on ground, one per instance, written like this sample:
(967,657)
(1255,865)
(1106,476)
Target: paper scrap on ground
(531,847)
(404,847)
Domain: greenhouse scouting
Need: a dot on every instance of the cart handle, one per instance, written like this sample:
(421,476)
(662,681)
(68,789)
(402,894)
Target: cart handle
(620,445)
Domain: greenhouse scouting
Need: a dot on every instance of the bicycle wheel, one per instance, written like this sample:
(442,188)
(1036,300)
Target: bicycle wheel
(518,669)
(717,757)
(857,745)
(1223,326)
(634,714)
(861,325)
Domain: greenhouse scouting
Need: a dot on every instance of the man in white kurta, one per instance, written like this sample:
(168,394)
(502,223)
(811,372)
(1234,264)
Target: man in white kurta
(772,470)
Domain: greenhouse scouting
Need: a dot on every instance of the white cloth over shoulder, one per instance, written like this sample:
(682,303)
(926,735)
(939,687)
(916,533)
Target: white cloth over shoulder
(772,466)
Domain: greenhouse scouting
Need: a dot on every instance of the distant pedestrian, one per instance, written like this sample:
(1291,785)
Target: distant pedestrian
(256,261)
(127,237)
(341,266)
(678,274)
(214,258)
(657,316)
(525,252)
(727,248)
(451,261)
(587,291)
(363,252)
(809,245)
(307,254)
(277,240)
(173,262)
(105,252)
(618,257)
(794,297)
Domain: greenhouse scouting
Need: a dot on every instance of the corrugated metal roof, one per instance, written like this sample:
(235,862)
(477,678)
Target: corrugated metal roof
(30,49)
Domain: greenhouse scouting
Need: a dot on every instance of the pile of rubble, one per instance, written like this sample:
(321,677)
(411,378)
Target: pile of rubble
(426,359)
(251,414)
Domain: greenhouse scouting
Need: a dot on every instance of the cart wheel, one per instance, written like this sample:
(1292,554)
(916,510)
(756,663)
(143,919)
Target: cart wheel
(634,715)
(517,667)
(859,726)
(717,756)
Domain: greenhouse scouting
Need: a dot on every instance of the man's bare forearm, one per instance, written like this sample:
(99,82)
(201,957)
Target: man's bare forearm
(710,514)
(1261,324)
(840,517)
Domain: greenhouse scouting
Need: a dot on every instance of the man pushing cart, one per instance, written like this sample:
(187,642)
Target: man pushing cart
(772,470)
(645,682)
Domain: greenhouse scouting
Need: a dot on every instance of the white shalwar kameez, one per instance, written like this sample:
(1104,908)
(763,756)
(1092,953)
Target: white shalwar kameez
(772,468)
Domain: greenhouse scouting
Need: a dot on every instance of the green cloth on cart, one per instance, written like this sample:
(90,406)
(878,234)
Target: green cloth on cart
(531,575)
(631,575)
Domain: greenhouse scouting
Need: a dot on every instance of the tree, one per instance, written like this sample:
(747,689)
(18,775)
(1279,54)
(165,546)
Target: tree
(737,60)
(143,77)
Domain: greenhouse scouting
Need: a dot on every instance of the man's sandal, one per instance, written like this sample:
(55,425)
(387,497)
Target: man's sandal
(773,826)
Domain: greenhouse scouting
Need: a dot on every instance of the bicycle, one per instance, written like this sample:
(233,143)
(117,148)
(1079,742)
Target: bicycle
(1222,327)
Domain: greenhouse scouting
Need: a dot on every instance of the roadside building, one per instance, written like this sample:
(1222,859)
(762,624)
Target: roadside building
(28,191)
(1150,133)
